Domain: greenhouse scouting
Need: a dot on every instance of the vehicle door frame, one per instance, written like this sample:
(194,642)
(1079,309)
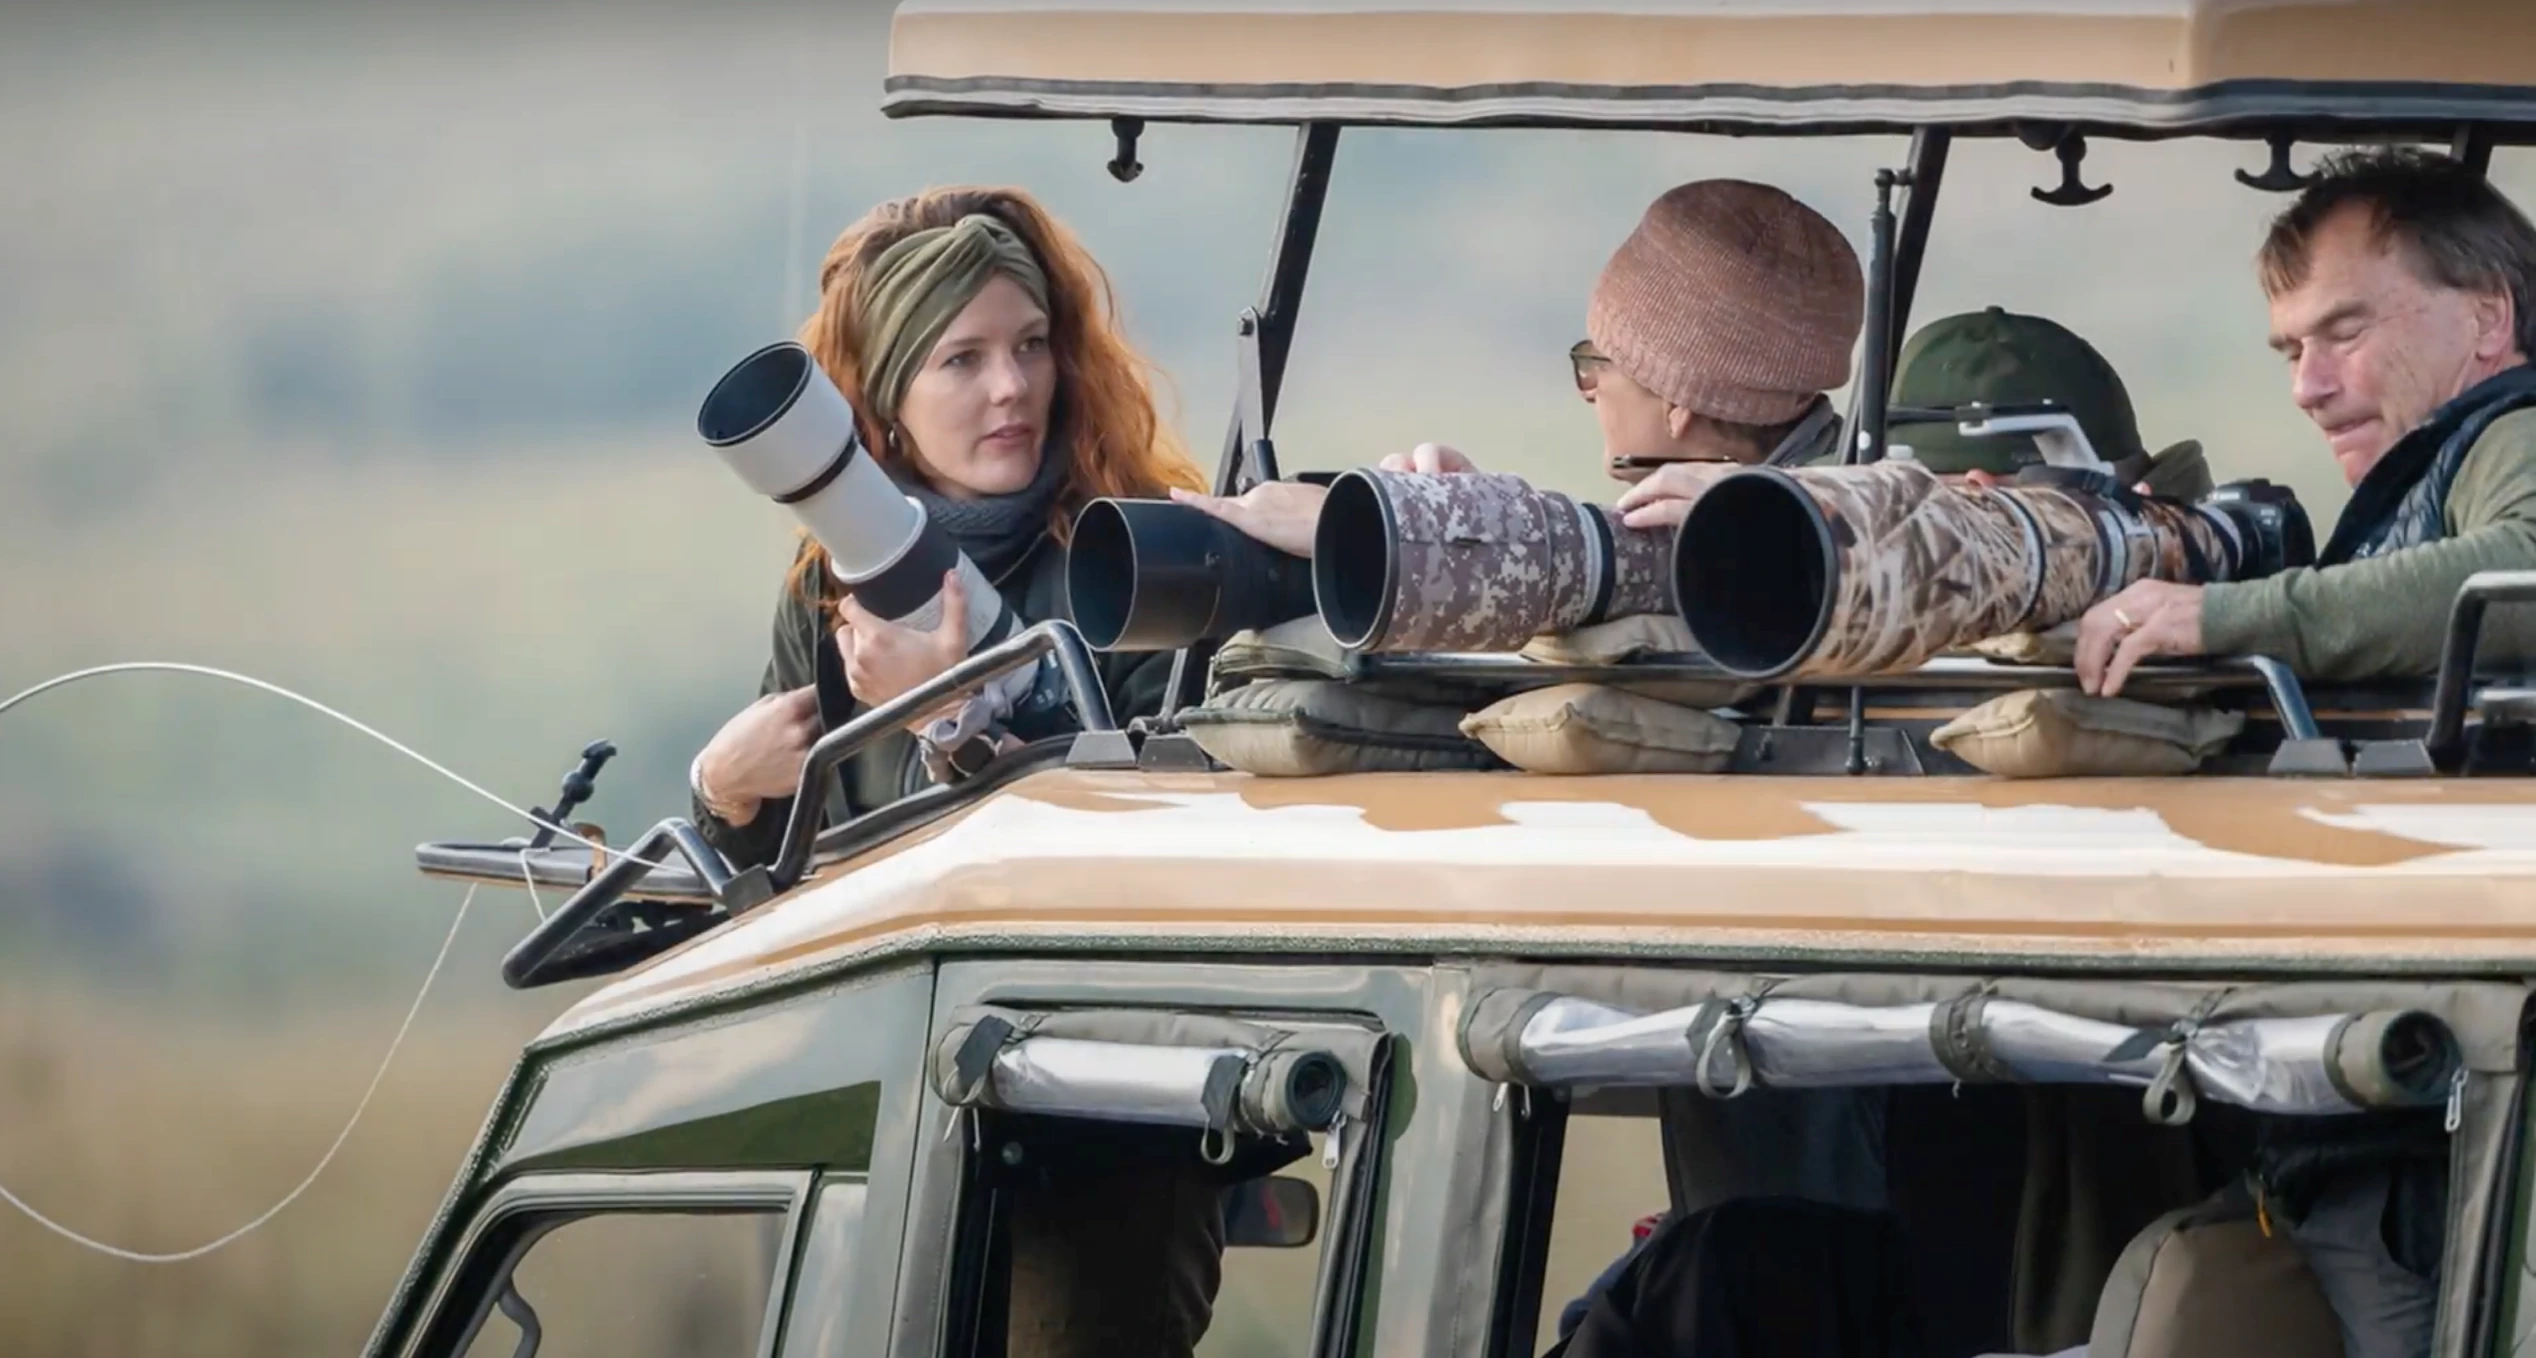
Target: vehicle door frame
(593,1193)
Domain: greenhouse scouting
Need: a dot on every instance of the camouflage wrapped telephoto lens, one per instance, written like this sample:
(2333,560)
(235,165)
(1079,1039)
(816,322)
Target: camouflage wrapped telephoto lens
(1472,561)
(1844,571)
(1154,575)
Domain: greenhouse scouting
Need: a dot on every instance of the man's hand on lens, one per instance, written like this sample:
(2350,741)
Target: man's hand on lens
(1281,514)
(1665,497)
(885,659)
(2150,618)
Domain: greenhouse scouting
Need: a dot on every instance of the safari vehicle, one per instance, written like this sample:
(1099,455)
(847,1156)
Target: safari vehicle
(1508,1009)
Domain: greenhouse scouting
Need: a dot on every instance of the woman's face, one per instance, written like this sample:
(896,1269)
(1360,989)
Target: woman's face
(976,415)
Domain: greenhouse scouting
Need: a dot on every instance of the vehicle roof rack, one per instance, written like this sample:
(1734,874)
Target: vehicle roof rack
(672,885)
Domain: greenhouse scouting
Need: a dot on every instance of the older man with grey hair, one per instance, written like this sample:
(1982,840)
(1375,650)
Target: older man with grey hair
(2403,297)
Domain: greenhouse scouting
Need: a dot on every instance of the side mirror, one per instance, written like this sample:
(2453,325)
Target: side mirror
(1273,1213)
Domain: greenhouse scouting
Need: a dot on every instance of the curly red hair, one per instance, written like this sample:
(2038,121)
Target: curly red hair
(1105,389)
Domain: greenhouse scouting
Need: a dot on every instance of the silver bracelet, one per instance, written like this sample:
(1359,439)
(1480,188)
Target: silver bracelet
(695,784)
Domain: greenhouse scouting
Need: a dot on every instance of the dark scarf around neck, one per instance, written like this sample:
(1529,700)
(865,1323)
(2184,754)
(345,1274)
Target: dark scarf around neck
(998,531)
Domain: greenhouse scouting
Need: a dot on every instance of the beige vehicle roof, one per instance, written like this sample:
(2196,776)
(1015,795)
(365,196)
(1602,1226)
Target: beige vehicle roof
(1981,874)
(2148,66)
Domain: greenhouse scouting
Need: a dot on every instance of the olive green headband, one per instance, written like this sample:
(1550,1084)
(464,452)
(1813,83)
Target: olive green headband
(918,285)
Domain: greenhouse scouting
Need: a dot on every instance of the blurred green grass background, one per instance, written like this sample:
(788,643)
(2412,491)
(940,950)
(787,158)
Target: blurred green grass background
(357,348)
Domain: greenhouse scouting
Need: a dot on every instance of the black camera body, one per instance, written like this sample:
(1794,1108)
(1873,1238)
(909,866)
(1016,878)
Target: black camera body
(2271,527)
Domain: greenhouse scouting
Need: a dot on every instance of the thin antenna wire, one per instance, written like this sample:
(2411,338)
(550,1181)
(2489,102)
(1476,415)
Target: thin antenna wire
(206,671)
(376,1077)
(402,1029)
(530,879)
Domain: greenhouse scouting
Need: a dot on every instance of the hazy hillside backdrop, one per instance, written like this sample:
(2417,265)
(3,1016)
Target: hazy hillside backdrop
(357,347)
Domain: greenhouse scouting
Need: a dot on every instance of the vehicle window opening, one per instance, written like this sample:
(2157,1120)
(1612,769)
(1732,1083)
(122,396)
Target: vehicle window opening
(629,1285)
(1082,1236)
(1096,1151)
(2009,1220)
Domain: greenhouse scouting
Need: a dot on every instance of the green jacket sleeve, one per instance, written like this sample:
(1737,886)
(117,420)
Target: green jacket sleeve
(2387,615)
(790,666)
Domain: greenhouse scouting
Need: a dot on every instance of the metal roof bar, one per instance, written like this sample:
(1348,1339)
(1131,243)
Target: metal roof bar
(1266,336)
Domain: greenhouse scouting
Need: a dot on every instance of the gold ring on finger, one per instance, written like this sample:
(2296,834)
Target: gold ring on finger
(2128,624)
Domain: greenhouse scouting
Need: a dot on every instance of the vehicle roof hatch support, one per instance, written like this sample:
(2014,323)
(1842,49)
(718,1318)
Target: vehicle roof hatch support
(1266,335)
(1929,148)
(2473,147)
(1875,370)
(1895,249)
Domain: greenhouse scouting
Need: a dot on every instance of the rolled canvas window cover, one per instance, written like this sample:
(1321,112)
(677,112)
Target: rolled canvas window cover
(1272,1090)
(2317,1065)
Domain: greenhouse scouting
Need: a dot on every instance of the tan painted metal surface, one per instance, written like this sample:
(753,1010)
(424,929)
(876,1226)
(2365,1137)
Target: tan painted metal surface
(1598,60)
(2271,872)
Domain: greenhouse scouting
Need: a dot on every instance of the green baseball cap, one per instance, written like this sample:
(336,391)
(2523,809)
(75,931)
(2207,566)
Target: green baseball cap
(1996,357)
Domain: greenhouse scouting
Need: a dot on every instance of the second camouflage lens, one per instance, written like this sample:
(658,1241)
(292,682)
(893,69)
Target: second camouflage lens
(1416,561)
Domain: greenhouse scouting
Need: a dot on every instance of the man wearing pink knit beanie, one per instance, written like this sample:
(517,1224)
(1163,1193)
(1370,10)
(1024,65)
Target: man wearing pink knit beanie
(1714,332)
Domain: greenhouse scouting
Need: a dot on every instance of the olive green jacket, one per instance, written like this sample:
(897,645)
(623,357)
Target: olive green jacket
(2387,615)
(892,767)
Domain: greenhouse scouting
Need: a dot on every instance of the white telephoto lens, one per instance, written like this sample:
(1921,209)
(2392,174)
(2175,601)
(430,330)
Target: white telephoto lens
(785,429)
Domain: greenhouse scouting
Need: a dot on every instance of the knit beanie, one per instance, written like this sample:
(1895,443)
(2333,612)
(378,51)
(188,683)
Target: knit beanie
(1731,300)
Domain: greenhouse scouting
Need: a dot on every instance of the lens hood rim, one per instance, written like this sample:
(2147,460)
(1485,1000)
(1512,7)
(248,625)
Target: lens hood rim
(1823,545)
(1109,507)
(801,383)
(1370,479)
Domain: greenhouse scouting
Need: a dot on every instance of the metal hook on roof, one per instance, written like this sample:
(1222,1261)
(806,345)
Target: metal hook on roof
(2277,177)
(1124,167)
(2072,190)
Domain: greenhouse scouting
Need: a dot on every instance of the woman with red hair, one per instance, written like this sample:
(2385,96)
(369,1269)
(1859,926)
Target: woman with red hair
(978,343)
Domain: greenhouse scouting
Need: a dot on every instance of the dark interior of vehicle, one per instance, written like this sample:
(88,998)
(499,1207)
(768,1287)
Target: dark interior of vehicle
(1077,1233)
(2024,1219)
